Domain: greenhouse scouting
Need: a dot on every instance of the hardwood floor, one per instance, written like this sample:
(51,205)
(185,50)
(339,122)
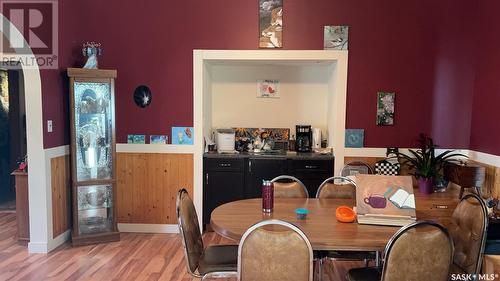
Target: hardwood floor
(135,257)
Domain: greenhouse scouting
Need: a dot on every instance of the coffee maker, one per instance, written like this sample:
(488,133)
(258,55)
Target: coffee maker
(304,138)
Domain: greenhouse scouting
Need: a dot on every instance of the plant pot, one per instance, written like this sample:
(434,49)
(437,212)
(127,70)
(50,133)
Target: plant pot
(426,185)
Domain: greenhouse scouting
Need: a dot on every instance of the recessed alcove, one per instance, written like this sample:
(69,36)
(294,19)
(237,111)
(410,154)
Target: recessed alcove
(313,86)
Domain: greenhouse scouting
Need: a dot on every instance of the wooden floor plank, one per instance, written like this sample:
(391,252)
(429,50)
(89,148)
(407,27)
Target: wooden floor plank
(137,256)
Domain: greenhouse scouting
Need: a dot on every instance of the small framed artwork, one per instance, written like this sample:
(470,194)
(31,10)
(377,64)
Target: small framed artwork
(354,137)
(336,37)
(182,135)
(385,108)
(271,23)
(268,89)
(136,139)
(158,139)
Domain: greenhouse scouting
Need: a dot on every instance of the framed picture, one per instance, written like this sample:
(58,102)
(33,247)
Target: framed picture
(136,139)
(182,135)
(268,88)
(158,139)
(271,23)
(385,108)
(354,137)
(336,37)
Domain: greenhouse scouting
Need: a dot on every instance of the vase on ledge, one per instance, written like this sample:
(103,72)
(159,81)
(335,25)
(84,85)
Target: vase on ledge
(426,185)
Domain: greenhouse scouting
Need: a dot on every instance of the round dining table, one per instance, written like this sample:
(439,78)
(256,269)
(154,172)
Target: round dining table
(232,219)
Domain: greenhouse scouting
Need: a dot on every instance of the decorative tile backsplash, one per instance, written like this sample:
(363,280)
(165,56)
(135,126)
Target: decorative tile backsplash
(275,134)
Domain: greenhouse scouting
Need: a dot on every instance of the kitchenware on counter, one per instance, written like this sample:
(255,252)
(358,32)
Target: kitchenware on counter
(316,139)
(226,140)
(304,138)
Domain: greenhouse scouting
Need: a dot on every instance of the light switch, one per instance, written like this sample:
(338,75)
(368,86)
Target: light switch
(49,126)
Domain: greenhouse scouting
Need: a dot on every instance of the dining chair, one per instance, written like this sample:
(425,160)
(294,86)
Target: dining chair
(274,250)
(468,228)
(219,261)
(421,250)
(289,187)
(352,168)
(339,187)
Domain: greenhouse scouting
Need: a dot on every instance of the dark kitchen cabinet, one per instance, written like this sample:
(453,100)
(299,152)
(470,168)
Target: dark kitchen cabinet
(231,178)
(311,172)
(224,181)
(262,169)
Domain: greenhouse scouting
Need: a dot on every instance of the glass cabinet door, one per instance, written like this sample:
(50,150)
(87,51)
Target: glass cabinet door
(93,133)
(95,209)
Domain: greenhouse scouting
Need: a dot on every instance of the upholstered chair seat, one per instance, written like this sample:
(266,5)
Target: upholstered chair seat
(404,260)
(282,252)
(289,187)
(218,258)
(214,261)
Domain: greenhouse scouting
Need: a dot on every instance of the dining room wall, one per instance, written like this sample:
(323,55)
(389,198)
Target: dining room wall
(390,49)
(485,133)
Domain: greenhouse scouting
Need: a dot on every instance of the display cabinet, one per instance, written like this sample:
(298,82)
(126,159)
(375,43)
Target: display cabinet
(93,155)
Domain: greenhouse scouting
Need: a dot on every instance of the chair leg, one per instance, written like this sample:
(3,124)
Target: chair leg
(377,259)
(320,269)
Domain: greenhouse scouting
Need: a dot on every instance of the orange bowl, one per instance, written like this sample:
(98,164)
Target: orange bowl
(345,214)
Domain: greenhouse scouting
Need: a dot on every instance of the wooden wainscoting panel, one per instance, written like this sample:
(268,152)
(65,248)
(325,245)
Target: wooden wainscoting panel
(60,182)
(147,184)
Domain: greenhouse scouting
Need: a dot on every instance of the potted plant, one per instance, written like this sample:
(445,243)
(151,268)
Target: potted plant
(425,164)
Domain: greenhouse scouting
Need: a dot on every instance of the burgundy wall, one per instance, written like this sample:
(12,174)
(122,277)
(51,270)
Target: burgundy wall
(454,74)
(151,43)
(485,133)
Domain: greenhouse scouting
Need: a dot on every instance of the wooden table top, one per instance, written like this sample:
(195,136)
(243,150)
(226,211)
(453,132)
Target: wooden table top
(231,220)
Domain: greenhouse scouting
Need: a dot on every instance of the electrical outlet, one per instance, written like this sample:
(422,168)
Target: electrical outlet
(49,126)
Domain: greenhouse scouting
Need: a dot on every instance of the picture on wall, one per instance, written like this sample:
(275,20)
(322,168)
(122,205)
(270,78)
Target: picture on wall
(271,23)
(136,139)
(182,135)
(354,137)
(336,37)
(268,88)
(385,108)
(158,139)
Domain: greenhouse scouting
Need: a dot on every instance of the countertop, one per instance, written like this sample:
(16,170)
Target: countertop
(287,155)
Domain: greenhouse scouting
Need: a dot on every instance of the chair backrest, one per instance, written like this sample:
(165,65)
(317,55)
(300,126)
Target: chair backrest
(468,230)
(345,189)
(419,251)
(289,187)
(269,253)
(353,168)
(189,229)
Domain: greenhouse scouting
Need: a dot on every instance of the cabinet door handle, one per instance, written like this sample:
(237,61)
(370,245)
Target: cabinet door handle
(250,166)
(206,178)
(225,165)
(311,167)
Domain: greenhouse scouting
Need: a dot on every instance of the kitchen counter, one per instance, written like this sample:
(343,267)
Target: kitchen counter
(287,155)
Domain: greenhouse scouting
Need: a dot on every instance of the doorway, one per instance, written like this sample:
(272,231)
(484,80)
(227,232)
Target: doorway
(13,142)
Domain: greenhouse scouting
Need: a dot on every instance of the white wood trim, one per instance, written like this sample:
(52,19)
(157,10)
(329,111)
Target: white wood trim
(154,148)
(59,240)
(38,190)
(489,159)
(148,228)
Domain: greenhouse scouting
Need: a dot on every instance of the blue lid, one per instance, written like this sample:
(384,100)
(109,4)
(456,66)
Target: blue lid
(301,211)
